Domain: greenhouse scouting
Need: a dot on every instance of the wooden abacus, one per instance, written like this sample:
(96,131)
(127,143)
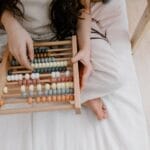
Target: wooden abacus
(52,85)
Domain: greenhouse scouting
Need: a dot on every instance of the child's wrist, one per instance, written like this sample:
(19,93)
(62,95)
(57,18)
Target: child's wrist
(8,21)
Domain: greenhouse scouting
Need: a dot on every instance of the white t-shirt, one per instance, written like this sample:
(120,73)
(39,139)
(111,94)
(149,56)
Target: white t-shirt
(36,16)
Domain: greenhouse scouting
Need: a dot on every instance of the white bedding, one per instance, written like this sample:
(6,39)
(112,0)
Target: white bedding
(124,130)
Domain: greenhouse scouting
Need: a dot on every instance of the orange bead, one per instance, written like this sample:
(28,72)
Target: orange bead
(49,98)
(43,99)
(59,98)
(71,97)
(1,103)
(63,98)
(38,99)
(67,98)
(30,100)
(54,98)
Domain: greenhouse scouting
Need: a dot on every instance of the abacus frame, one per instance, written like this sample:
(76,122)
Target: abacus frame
(48,107)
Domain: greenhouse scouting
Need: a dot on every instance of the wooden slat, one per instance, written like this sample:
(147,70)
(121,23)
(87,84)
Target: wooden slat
(37,109)
(76,77)
(38,44)
(142,27)
(3,71)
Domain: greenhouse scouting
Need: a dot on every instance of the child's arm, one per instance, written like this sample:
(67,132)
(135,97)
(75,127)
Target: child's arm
(19,41)
(83,34)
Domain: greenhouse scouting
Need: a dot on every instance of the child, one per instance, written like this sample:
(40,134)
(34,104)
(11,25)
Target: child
(113,79)
(67,18)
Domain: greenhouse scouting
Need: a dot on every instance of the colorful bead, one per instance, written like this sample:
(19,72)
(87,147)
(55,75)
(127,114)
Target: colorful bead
(5,90)
(27,76)
(31,88)
(39,87)
(47,86)
(54,85)
(23,88)
(30,100)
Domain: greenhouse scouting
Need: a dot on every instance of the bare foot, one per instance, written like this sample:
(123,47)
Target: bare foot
(98,107)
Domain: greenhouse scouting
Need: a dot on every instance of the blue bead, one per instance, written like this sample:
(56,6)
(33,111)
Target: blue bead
(63,91)
(40,93)
(50,92)
(46,93)
(59,91)
(54,91)
(67,91)
(24,94)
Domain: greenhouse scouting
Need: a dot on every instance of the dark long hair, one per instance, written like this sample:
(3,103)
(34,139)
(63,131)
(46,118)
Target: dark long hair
(62,13)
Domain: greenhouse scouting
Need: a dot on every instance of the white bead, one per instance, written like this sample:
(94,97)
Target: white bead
(58,85)
(67,73)
(40,65)
(65,63)
(5,90)
(27,76)
(43,65)
(8,78)
(36,65)
(39,87)
(54,64)
(33,76)
(54,85)
(20,77)
(37,75)
(57,74)
(23,88)
(71,84)
(63,85)
(67,84)
(47,64)
(58,64)
(16,77)
(50,64)
(32,64)
(47,86)
(31,88)
(53,74)
(12,77)
(61,64)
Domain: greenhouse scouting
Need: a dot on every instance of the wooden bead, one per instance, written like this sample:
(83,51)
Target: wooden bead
(5,90)
(67,98)
(47,86)
(30,100)
(8,78)
(71,97)
(43,99)
(23,88)
(31,88)
(27,76)
(39,87)
(54,98)
(49,98)
(38,99)
(59,98)
(63,98)
(1,103)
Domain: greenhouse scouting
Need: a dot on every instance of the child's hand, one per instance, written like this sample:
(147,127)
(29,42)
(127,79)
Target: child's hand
(84,57)
(98,107)
(20,43)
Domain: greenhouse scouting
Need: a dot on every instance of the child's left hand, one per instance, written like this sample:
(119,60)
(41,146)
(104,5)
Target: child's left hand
(84,57)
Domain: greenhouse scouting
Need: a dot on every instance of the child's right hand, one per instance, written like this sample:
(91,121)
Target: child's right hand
(20,43)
